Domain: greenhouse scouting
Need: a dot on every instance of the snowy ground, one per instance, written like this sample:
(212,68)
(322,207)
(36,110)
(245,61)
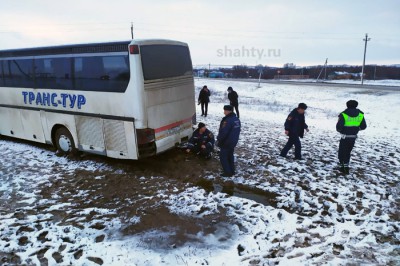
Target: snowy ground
(176,210)
(381,82)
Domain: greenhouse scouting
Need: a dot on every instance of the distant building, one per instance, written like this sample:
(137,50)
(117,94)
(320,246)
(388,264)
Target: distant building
(216,74)
(199,73)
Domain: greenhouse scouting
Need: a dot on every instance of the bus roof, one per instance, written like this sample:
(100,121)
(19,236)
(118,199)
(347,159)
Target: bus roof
(157,41)
(121,46)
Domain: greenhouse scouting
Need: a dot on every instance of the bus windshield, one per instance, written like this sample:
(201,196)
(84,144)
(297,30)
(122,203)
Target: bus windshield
(165,61)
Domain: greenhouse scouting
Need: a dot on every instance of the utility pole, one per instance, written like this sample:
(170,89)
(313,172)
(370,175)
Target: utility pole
(132,30)
(260,71)
(365,51)
(324,67)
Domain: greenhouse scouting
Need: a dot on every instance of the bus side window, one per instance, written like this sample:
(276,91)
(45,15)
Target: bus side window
(62,73)
(41,73)
(101,73)
(53,73)
(117,73)
(2,81)
(88,73)
(21,73)
(77,77)
(6,73)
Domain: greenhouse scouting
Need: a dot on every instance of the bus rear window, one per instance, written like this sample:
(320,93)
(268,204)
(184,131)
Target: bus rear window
(165,61)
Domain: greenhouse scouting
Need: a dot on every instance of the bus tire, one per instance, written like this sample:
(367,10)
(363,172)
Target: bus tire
(64,141)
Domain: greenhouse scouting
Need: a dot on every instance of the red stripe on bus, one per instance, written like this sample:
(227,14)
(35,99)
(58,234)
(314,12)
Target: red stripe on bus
(160,129)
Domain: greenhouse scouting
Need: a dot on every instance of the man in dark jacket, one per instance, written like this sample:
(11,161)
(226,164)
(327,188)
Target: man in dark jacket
(234,100)
(201,142)
(204,99)
(351,121)
(294,128)
(228,137)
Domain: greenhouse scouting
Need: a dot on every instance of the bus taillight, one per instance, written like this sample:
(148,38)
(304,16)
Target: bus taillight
(145,136)
(146,142)
(134,49)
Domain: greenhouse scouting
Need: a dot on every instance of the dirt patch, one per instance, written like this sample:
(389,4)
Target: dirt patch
(261,196)
(160,228)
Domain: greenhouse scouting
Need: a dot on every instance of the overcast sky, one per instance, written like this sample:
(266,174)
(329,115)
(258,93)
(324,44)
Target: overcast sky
(218,32)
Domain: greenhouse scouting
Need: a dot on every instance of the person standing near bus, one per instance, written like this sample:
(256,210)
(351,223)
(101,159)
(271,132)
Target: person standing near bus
(204,99)
(227,139)
(234,100)
(350,122)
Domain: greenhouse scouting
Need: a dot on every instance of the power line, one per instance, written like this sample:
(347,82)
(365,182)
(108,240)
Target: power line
(214,31)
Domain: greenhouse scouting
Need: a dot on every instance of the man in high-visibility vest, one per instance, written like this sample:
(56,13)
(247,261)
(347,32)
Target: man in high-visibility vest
(351,121)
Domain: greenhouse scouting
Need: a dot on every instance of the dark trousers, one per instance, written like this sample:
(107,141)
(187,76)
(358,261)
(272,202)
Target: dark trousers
(204,108)
(203,152)
(345,148)
(293,140)
(236,106)
(227,161)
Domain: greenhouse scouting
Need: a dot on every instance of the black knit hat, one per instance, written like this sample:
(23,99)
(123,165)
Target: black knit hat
(230,89)
(302,106)
(352,104)
(200,125)
(228,108)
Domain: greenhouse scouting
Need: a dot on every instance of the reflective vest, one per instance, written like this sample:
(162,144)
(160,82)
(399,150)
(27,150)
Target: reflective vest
(350,121)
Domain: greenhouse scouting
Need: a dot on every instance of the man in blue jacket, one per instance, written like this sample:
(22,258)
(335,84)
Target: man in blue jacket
(294,128)
(350,122)
(201,142)
(228,137)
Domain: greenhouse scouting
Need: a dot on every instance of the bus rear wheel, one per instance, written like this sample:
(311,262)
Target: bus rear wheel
(64,141)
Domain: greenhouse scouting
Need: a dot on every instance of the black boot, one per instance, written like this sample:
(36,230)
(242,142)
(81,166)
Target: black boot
(342,168)
(346,169)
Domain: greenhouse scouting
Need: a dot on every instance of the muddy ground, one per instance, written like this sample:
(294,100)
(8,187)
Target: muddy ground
(136,189)
(129,188)
(92,210)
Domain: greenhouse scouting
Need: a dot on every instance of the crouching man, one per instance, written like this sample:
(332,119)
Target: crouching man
(201,142)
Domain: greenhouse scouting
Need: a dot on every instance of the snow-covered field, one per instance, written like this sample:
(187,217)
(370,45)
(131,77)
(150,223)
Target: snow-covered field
(174,210)
(381,82)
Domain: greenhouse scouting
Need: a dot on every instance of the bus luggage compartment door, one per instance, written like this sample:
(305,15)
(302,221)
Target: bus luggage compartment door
(113,138)
(90,134)
(119,139)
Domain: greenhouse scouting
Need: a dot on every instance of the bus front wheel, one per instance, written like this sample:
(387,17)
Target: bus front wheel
(64,141)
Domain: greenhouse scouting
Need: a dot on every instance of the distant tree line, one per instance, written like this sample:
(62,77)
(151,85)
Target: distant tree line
(370,71)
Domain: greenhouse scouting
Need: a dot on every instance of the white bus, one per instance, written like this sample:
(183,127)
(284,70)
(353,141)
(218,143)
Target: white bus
(126,100)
